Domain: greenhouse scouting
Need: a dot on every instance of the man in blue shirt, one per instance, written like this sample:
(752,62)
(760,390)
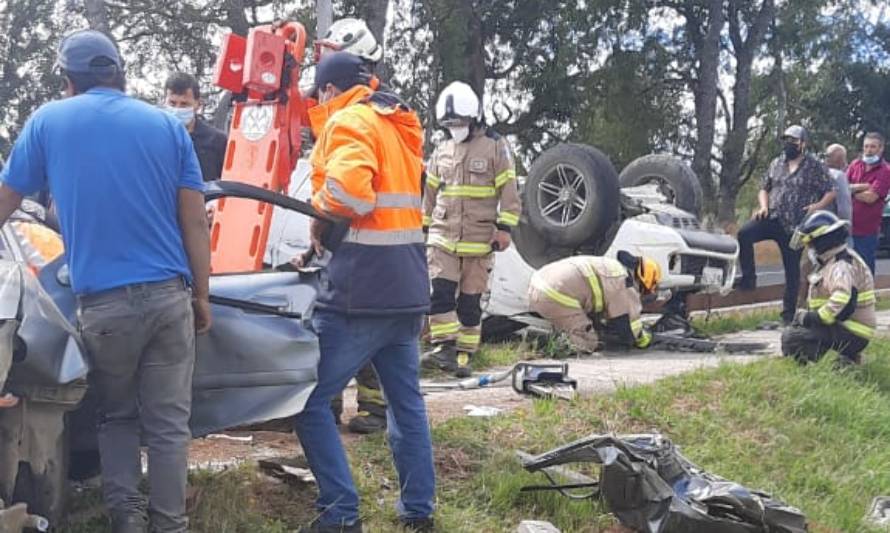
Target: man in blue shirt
(129,196)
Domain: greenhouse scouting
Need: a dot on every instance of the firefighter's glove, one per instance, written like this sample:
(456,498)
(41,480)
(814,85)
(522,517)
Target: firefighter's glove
(810,319)
(644,340)
(500,241)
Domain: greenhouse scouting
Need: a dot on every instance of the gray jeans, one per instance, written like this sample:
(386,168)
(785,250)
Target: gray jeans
(141,344)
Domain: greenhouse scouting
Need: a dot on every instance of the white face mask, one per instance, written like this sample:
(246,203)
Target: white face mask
(459,133)
(185,114)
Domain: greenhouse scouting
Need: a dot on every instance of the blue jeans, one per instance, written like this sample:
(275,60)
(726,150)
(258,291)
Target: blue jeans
(391,344)
(867,248)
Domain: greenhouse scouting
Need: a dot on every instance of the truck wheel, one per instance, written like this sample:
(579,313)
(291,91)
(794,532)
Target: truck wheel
(571,195)
(675,179)
(535,248)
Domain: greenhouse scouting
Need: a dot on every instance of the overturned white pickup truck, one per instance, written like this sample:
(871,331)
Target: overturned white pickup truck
(574,202)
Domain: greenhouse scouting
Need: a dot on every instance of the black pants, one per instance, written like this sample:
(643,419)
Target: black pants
(770,230)
(810,344)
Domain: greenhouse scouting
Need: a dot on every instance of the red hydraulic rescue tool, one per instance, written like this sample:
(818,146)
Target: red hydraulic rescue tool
(262,71)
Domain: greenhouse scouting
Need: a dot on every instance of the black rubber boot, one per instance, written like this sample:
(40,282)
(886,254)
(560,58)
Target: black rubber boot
(442,357)
(463,369)
(366,423)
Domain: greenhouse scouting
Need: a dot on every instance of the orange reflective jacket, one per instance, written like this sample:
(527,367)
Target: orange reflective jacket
(366,166)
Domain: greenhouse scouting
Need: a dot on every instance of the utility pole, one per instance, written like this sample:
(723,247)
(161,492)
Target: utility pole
(324,17)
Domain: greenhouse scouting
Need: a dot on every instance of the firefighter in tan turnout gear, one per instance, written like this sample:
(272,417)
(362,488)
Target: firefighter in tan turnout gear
(471,202)
(584,296)
(841,299)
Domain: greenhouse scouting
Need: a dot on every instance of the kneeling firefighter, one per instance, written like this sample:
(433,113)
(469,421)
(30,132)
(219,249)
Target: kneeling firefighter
(585,296)
(471,202)
(841,297)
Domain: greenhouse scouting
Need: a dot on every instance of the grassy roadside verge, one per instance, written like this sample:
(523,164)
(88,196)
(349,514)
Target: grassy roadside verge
(814,437)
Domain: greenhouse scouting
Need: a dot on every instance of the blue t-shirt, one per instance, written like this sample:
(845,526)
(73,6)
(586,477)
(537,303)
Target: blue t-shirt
(114,166)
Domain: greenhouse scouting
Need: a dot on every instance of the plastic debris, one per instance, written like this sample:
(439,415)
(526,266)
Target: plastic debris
(287,473)
(233,438)
(536,526)
(879,514)
(482,410)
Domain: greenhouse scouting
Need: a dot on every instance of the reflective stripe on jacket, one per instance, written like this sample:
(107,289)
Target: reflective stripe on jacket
(366,166)
(470,191)
(595,285)
(831,290)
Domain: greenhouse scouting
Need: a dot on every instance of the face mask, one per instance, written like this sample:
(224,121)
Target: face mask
(871,159)
(460,133)
(792,151)
(185,114)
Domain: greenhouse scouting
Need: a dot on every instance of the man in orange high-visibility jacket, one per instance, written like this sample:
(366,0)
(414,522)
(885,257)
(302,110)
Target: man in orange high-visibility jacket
(366,167)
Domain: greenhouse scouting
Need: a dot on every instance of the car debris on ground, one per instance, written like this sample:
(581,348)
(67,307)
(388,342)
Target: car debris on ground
(879,513)
(649,486)
(292,475)
(536,526)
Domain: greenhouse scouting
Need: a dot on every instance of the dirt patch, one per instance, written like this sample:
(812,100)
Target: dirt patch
(454,464)
(294,506)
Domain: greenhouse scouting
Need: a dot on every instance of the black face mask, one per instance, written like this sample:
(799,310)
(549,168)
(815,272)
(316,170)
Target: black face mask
(792,151)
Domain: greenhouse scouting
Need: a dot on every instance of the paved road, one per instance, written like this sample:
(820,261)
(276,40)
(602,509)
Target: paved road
(605,373)
(774,275)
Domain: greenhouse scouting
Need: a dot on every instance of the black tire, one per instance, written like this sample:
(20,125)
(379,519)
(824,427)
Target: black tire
(680,183)
(499,329)
(591,204)
(535,248)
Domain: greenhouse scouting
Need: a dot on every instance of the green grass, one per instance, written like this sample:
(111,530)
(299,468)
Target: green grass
(723,323)
(812,436)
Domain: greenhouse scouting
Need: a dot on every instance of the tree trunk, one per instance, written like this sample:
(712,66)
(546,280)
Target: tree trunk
(324,10)
(96,15)
(737,136)
(705,92)
(459,45)
(236,20)
(375,14)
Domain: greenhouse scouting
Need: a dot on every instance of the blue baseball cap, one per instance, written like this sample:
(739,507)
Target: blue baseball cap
(342,69)
(88,51)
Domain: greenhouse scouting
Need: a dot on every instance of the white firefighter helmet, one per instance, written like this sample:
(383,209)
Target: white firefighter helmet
(457,103)
(353,36)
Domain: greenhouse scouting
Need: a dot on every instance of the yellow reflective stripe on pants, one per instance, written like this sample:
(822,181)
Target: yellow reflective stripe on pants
(636,326)
(558,297)
(468,191)
(427,220)
(448,328)
(859,329)
(507,218)
(504,177)
(460,247)
(367,394)
(468,342)
(472,248)
(595,287)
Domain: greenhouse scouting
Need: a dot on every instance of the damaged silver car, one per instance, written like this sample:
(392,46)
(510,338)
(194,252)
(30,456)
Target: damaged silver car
(257,363)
